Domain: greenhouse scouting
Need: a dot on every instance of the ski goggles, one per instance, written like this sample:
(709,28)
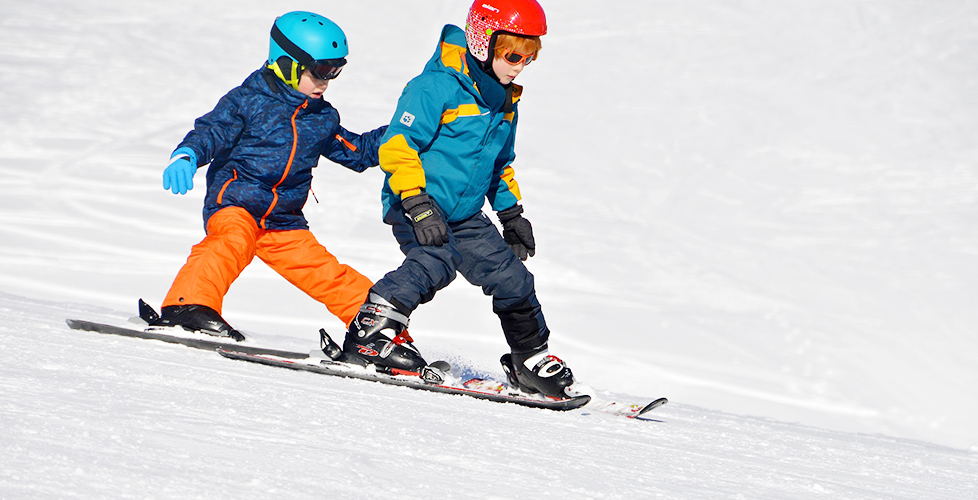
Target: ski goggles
(515,58)
(326,69)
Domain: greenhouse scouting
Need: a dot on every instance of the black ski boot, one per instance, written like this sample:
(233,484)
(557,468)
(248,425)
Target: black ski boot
(538,371)
(197,318)
(378,336)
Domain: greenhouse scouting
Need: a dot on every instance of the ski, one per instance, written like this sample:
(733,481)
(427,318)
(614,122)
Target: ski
(178,336)
(651,406)
(436,377)
(433,378)
(635,411)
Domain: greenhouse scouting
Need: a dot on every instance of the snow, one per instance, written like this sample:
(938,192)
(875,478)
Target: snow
(763,210)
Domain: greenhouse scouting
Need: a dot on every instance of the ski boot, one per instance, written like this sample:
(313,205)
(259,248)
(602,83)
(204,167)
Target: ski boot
(378,336)
(538,371)
(197,318)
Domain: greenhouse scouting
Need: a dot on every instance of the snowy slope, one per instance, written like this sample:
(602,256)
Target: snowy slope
(761,209)
(90,416)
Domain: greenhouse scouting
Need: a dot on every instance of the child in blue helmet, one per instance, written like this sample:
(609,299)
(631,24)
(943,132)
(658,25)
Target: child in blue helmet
(448,151)
(262,141)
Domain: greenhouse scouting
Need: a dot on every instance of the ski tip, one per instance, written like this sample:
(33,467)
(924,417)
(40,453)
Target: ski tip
(80,324)
(653,405)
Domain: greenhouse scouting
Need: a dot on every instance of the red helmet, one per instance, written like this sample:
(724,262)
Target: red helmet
(488,17)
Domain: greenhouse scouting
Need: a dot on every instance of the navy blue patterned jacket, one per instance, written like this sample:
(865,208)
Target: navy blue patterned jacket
(262,141)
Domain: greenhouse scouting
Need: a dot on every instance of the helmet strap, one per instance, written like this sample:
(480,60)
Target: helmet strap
(287,70)
(486,65)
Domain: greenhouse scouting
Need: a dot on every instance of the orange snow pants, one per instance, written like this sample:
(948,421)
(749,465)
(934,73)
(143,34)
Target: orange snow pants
(232,242)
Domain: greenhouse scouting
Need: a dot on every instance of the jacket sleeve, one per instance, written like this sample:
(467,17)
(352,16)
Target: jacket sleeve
(505,192)
(356,151)
(411,131)
(216,131)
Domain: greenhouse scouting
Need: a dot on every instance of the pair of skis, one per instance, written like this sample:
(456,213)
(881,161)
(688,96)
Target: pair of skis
(437,377)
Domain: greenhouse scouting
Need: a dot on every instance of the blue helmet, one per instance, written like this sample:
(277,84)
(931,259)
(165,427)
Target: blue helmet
(306,37)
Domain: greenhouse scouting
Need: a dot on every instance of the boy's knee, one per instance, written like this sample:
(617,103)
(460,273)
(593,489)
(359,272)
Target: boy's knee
(235,226)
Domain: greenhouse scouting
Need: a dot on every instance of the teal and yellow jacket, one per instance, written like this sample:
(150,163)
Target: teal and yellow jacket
(452,136)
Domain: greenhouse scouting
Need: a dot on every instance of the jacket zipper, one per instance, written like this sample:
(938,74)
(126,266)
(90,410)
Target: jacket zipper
(288,166)
(220,195)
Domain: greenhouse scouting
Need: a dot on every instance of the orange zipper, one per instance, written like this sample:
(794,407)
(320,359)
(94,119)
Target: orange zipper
(349,145)
(288,166)
(220,195)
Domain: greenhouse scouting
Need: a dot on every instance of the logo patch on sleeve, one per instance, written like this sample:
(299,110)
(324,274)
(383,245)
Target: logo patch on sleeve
(407,118)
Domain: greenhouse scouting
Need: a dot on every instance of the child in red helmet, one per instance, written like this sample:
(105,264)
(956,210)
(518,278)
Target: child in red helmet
(448,149)
(262,140)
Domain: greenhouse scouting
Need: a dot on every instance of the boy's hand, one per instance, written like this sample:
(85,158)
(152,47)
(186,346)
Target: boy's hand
(429,227)
(517,232)
(179,174)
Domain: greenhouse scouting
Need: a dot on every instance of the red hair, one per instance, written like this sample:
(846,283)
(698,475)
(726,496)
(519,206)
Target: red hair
(506,42)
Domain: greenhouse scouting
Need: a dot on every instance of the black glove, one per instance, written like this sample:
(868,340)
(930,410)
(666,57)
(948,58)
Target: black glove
(517,232)
(429,227)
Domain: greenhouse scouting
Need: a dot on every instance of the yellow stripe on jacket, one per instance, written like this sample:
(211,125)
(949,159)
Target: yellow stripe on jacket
(463,110)
(509,177)
(403,163)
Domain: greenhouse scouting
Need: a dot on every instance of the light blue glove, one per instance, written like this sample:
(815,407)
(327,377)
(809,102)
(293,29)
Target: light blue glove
(179,174)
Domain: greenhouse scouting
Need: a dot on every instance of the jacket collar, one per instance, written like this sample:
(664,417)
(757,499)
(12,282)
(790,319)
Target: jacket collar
(265,81)
(451,56)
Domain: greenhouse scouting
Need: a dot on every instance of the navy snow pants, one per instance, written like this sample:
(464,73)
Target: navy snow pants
(477,251)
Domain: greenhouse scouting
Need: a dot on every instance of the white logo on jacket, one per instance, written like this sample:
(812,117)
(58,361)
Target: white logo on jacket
(407,118)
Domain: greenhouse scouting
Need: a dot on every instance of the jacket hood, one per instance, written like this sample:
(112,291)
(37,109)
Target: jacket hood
(451,56)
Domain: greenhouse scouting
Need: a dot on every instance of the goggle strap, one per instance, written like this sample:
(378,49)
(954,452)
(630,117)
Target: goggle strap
(290,48)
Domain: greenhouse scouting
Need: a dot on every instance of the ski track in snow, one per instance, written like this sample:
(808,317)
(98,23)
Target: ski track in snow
(762,210)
